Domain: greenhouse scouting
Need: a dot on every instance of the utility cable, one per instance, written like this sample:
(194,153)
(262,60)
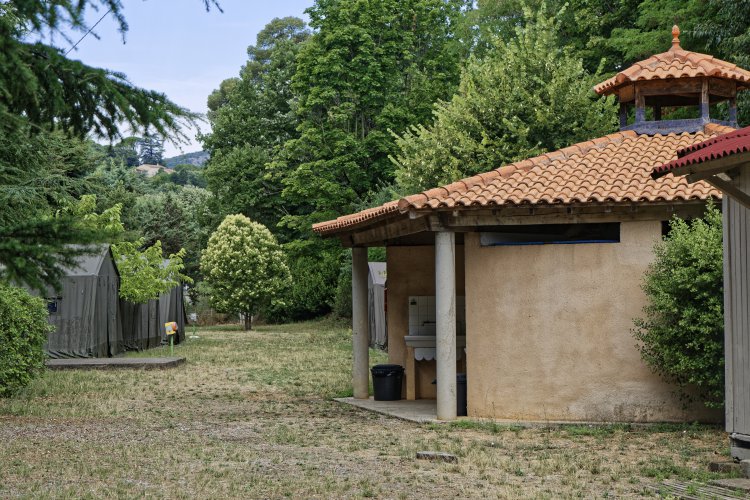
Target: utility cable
(89,31)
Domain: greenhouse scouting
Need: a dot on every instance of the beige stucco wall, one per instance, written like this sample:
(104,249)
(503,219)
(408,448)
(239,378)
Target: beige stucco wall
(411,271)
(549,331)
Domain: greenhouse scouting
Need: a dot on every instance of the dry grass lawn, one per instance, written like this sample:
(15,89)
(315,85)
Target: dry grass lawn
(250,416)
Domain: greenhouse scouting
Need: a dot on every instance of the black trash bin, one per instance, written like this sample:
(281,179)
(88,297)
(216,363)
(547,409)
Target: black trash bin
(461,394)
(461,410)
(386,382)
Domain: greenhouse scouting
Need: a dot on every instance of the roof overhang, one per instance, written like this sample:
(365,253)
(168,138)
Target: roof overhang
(719,172)
(717,161)
(417,227)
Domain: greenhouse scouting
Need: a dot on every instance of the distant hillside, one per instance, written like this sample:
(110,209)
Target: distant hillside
(198,158)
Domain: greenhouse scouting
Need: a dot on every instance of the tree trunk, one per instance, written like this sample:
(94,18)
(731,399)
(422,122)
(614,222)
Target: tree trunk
(248,322)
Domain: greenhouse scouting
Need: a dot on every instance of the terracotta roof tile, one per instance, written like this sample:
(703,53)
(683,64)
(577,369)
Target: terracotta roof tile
(675,63)
(612,169)
(737,141)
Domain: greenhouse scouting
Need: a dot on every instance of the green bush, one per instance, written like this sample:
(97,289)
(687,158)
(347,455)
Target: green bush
(682,334)
(314,268)
(23,331)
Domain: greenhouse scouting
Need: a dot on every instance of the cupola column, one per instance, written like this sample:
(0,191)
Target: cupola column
(640,106)
(704,101)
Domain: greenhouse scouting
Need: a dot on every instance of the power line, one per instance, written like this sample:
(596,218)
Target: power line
(89,31)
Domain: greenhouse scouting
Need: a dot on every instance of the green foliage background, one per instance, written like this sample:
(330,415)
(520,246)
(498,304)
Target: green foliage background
(526,96)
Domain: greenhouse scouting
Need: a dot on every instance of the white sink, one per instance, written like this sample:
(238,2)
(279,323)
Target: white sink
(429,340)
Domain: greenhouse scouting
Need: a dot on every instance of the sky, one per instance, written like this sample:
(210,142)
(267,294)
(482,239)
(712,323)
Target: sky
(176,47)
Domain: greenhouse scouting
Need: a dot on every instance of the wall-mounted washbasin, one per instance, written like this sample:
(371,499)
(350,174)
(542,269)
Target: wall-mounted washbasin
(429,340)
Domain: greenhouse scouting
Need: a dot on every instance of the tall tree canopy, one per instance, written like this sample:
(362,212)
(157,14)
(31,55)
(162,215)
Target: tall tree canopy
(151,149)
(370,67)
(43,92)
(251,117)
(288,154)
(40,174)
(40,83)
(527,96)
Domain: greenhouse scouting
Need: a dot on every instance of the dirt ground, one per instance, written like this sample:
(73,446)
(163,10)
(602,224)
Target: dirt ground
(250,416)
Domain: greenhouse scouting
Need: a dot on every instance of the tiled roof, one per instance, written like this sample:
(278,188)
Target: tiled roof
(675,63)
(611,169)
(720,146)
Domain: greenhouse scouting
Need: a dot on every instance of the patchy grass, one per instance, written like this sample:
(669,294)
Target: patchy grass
(250,416)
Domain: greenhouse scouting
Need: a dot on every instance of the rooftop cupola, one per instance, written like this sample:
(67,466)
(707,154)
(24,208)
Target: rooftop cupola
(674,79)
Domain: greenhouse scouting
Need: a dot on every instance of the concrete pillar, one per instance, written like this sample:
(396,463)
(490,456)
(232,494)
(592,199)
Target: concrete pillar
(445,308)
(360,337)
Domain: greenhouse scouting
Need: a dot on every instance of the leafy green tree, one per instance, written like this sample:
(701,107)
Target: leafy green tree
(585,26)
(369,68)
(179,219)
(682,332)
(144,274)
(251,118)
(23,331)
(84,211)
(651,31)
(183,175)
(311,291)
(244,267)
(124,151)
(525,97)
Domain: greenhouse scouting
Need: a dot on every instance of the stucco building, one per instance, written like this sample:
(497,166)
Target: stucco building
(528,277)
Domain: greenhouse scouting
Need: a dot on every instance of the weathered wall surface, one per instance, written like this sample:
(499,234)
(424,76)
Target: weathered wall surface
(549,332)
(411,271)
(737,309)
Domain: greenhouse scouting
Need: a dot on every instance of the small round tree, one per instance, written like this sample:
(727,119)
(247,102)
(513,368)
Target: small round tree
(682,334)
(244,266)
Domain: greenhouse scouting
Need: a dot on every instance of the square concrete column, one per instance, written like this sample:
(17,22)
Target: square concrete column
(360,335)
(445,309)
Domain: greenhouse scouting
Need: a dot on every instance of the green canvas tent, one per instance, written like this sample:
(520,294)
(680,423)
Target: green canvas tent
(85,313)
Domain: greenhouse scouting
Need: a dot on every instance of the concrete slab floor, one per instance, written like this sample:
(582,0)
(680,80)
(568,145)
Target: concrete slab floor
(420,410)
(111,363)
(425,411)
(736,484)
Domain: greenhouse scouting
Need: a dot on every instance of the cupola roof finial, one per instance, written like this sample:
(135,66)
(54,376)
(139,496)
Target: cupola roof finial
(676,37)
